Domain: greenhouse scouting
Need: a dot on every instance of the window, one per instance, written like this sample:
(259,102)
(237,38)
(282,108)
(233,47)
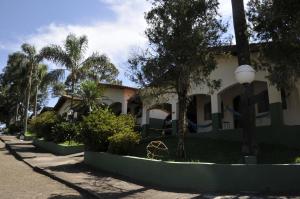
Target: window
(207,111)
(263,102)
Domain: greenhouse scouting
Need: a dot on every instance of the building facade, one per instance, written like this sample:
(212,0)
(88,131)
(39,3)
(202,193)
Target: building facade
(220,110)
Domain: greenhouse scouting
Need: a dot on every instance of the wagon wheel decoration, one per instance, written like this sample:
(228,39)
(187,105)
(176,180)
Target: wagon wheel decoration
(157,150)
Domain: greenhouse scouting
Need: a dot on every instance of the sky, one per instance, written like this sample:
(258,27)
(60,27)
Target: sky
(113,27)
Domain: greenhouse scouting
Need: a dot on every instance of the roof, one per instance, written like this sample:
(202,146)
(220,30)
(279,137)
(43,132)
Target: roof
(254,47)
(62,100)
(118,86)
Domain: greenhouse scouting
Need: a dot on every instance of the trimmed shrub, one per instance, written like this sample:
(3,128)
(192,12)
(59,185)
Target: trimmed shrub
(97,128)
(102,129)
(65,131)
(42,125)
(121,143)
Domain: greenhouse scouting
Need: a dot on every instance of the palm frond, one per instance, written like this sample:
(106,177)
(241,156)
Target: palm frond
(52,77)
(28,49)
(56,54)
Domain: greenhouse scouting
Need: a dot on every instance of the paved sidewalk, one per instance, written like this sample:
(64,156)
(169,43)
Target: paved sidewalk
(18,181)
(71,170)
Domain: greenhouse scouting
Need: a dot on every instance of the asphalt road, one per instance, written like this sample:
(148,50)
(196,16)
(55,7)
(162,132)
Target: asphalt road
(19,181)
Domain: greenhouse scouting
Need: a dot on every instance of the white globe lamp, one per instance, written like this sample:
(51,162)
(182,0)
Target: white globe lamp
(245,74)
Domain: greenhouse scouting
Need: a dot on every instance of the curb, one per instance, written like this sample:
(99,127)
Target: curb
(39,170)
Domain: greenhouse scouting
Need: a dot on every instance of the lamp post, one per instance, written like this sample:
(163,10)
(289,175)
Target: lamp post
(245,75)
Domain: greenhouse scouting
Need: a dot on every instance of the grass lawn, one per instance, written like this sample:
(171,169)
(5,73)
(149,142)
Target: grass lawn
(222,152)
(70,143)
(29,134)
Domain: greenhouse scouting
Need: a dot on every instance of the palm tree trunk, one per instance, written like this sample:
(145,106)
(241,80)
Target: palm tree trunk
(72,99)
(35,101)
(17,111)
(28,91)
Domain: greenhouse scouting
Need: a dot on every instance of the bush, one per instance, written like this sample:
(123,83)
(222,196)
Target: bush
(42,125)
(65,131)
(102,126)
(14,128)
(121,143)
(97,128)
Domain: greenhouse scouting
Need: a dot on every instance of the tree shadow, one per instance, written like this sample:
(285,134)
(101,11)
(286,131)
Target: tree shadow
(58,196)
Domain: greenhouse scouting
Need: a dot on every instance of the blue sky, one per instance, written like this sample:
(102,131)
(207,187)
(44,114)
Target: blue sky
(113,27)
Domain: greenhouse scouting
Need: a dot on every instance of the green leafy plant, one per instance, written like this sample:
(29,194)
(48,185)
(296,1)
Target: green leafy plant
(65,131)
(103,130)
(121,143)
(42,125)
(97,128)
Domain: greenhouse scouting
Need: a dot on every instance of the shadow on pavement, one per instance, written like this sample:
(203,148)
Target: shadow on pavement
(68,197)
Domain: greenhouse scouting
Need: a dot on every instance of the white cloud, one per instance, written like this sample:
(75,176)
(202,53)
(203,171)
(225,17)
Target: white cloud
(114,38)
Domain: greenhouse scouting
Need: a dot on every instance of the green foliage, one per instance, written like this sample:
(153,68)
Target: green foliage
(90,93)
(42,125)
(102,126)
(65,131)
(95,67)
(181,35)
(14,128)
(97,128)
(276,23)
(123,142)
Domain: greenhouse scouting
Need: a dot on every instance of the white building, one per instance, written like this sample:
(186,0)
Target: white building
(220,110)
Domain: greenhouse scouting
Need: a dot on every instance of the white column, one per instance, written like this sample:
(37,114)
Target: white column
(216,111)
(124,106)
(215,103)
(174,111)
(145,116)
(274,94)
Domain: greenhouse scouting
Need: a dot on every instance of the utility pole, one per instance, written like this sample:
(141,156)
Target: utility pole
(243,53)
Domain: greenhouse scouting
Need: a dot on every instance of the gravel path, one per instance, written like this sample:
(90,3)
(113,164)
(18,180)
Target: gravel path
(19,181)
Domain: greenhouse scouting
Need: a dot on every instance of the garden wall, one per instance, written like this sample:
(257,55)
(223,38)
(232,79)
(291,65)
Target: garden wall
(284,135)
(57,149)
(200,177)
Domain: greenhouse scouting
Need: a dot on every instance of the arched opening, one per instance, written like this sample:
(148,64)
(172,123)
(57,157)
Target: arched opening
(160,117)
(134,107)
(116,108)
(231,100)
(199,113)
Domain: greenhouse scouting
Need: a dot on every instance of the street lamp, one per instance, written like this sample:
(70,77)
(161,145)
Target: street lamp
(245,74)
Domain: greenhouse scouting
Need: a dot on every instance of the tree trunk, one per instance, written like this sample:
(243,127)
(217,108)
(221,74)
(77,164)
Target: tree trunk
(243,52)
(182,119)
(35,101)
(17,111)
(28,91)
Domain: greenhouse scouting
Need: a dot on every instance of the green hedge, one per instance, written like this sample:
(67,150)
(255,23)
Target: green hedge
(103,130)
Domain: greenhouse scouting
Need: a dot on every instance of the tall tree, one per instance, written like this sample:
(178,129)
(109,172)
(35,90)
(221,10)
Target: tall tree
(181,35)
(32,60)
(42,80)
(96,67)
(276,23)
(13,81)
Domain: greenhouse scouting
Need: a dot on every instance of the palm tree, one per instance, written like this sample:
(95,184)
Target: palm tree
(90,92)
(43,79)
(96,67)
(32,60)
